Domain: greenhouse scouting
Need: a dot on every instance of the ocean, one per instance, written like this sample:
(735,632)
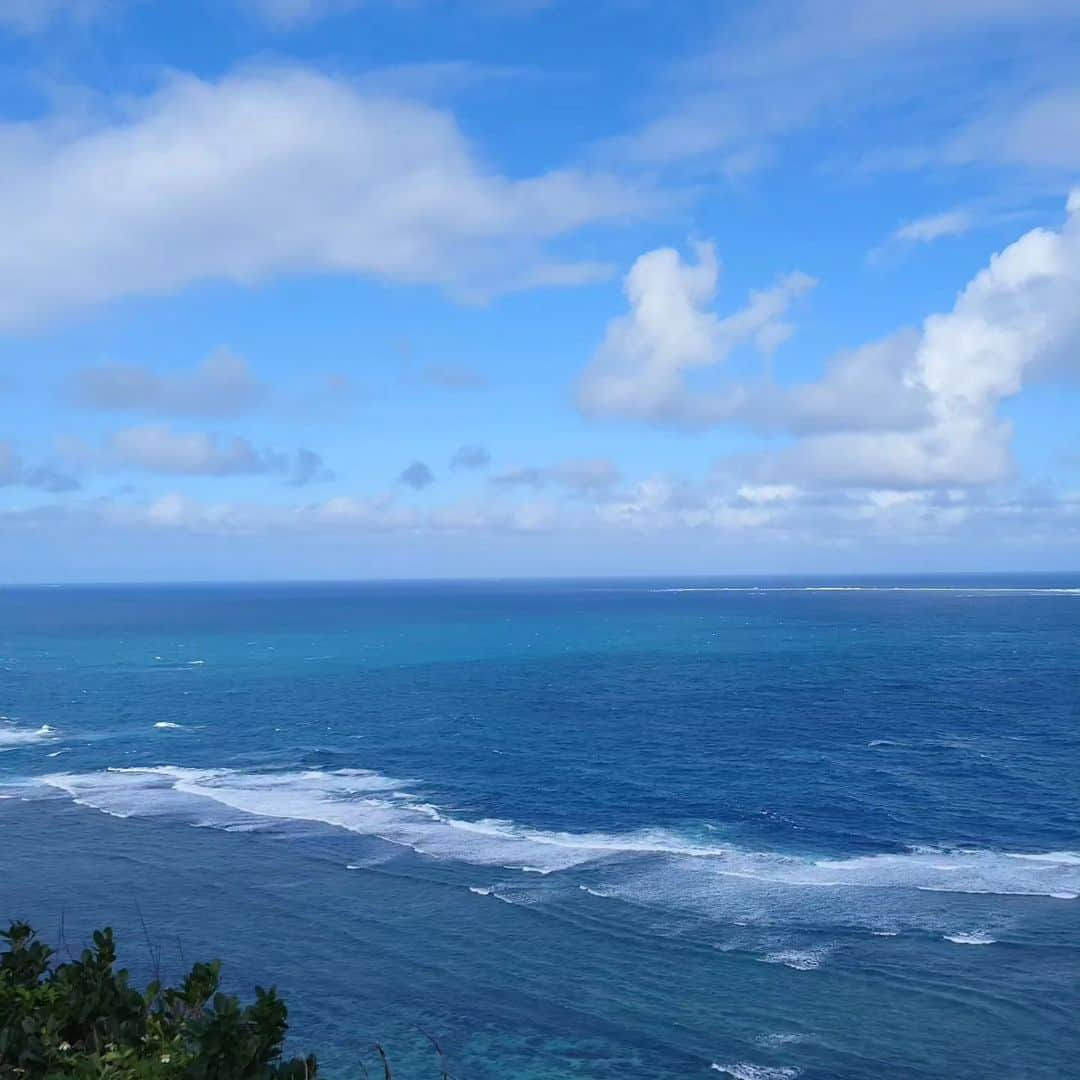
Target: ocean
(762,828)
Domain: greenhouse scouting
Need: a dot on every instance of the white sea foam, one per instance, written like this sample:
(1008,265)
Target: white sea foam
(166,725)
(744,1070)
(12,736)
(481,891)
(656,868)
(975,937)
(798,959)
(1069,857)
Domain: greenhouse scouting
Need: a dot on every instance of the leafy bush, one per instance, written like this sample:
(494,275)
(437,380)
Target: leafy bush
(82,1019)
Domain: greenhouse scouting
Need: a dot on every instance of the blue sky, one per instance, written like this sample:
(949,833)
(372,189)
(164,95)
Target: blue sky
(412,288)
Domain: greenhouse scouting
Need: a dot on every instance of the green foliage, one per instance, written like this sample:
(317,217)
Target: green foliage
(83,1020)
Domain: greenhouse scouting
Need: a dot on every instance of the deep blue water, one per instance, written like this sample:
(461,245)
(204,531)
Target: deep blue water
(588,829)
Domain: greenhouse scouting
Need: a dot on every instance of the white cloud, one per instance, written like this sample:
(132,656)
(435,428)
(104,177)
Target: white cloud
(162,450)
(340,515)
(707,528)
(157,448)
(926,230)
(222,385)
(272,172)
(1017,318)
(919,409)
(640,370)
(863,389)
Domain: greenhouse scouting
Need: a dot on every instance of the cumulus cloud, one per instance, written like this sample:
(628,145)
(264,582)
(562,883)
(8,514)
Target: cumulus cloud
(641,369)
(918,409)
(1017,317)
(862,389)
(271,172)
(222,385)
(162,450)
(15,472)
(470,456)
(417,476)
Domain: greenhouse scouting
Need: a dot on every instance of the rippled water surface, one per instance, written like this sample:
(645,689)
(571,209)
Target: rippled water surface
(590,829)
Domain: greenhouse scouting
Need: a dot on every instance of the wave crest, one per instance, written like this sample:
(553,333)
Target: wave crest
(653,867)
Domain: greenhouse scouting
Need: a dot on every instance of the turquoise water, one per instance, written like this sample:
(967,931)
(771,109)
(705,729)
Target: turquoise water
(587,829)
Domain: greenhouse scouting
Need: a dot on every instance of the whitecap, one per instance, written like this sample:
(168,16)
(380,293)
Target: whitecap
(166,725)
(798,959)
(745,1070)
(974,938)
(12,736)
(489,891)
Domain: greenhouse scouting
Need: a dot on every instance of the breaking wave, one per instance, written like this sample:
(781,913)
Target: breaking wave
(974,938)
(12,736)
(654,868)
(744,1070)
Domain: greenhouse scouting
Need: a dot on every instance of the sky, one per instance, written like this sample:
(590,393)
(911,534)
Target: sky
(339,289)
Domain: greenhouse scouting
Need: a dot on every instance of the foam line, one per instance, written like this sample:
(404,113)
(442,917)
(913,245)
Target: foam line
(652,865)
